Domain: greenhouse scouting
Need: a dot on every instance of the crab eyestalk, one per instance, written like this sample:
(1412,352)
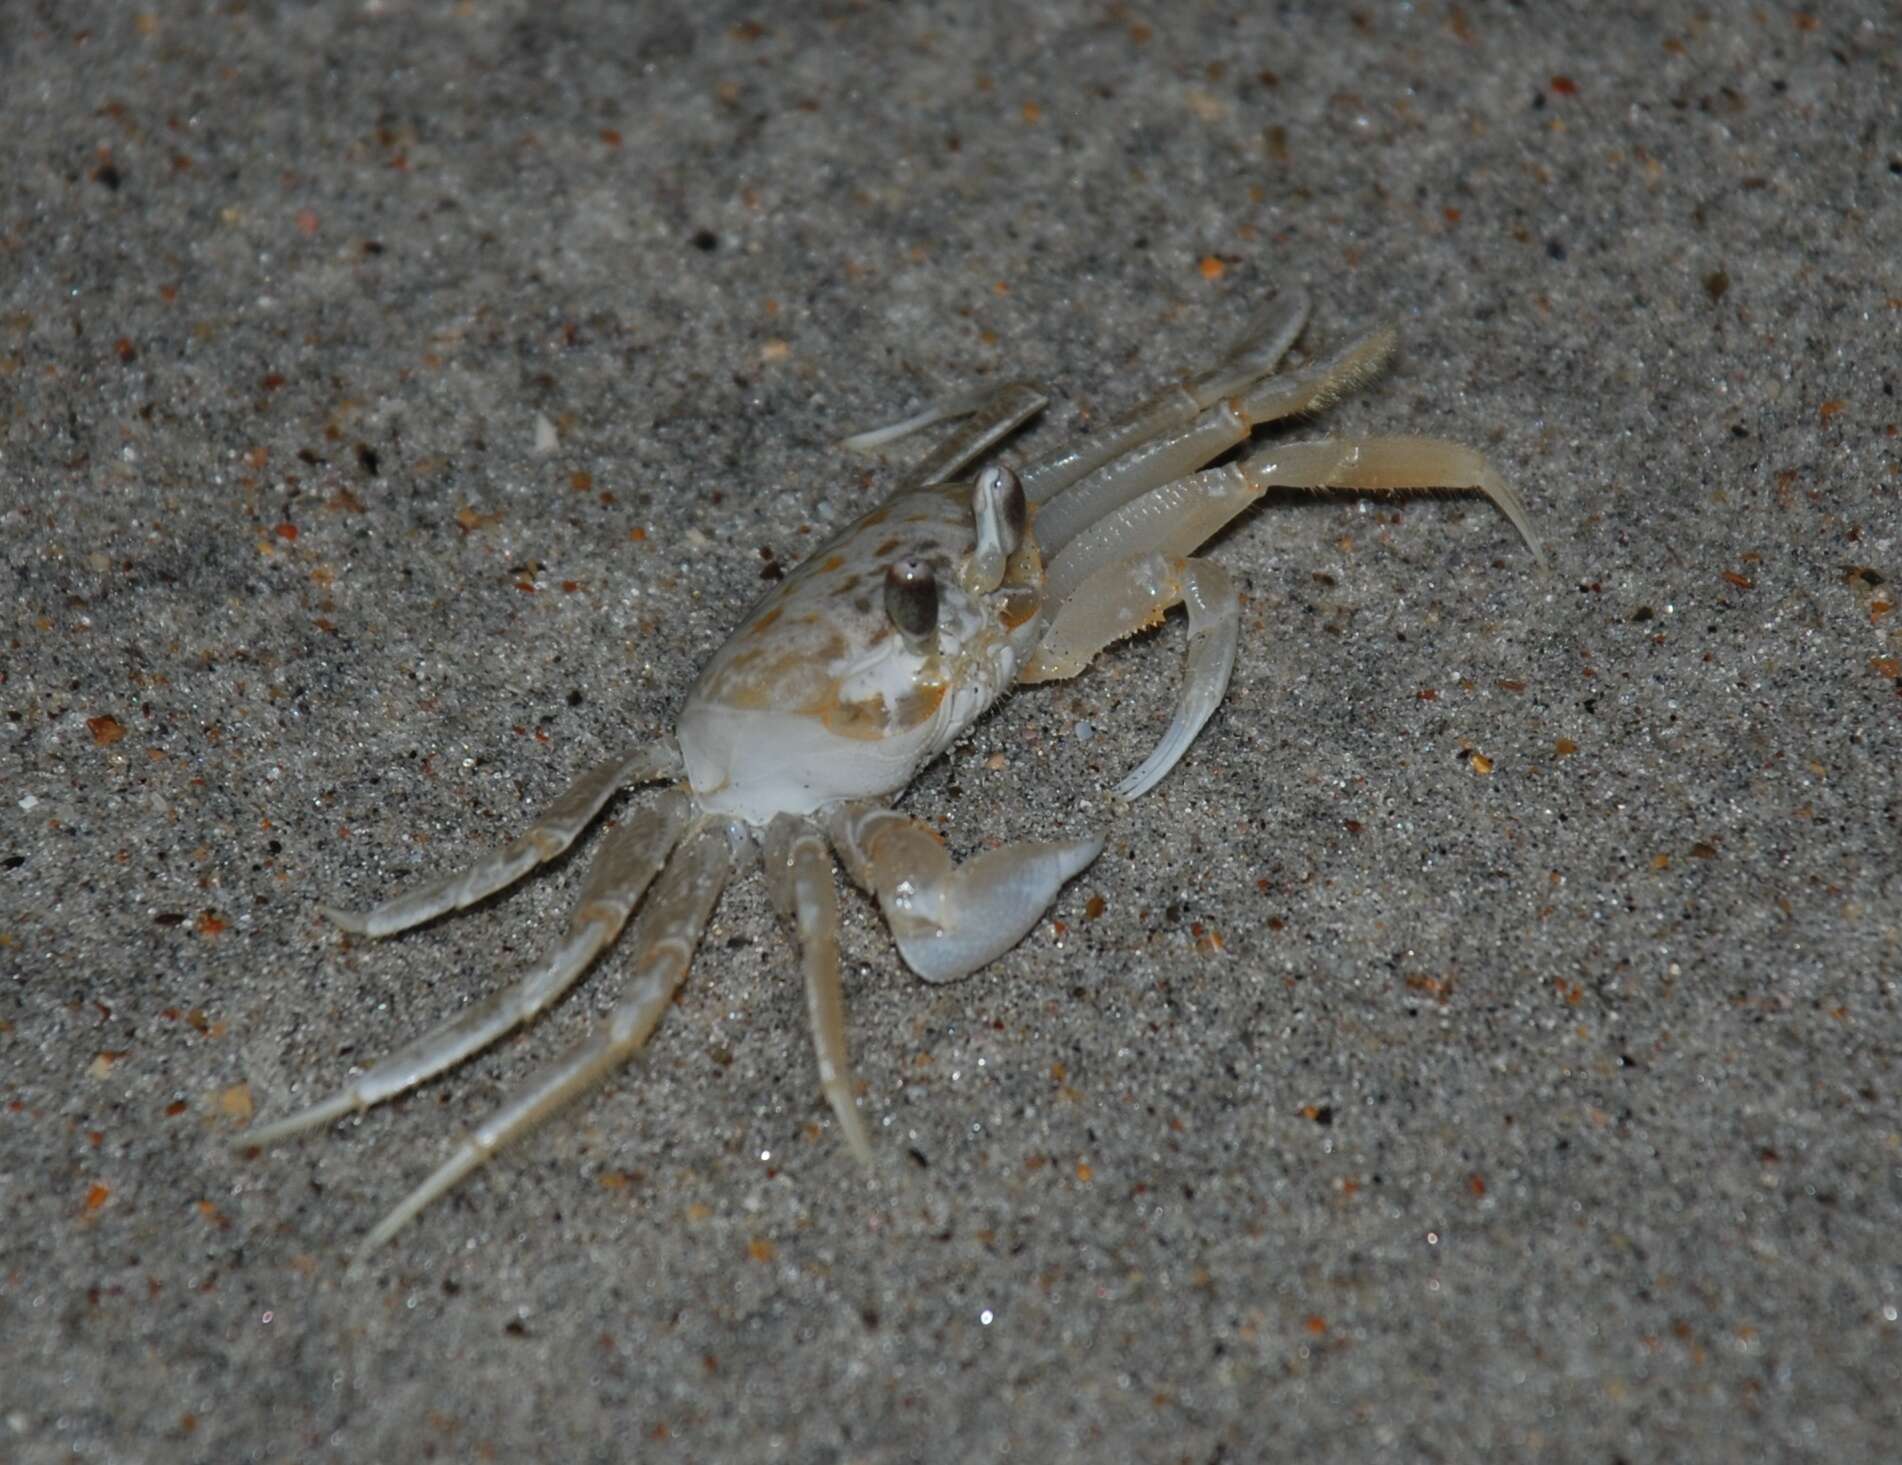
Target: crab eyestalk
(1001,514)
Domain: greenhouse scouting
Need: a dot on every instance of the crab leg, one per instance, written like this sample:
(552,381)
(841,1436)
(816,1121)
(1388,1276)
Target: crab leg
(949,921)
(1260,349)
(547,837)
(799,876)
(667,931)
(996,412)
(1131,595)
(1118,576)
(946,409)
(629,859)
(1220,428)
(1001,414)
(1178,517)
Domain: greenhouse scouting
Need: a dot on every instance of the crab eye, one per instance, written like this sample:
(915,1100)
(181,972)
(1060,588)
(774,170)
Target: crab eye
(911,602)
(1012,506)
(1000,514)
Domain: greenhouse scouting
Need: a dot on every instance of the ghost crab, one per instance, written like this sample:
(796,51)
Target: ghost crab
(865,663)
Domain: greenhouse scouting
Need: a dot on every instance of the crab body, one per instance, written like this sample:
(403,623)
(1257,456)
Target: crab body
(868,661)
(818,699)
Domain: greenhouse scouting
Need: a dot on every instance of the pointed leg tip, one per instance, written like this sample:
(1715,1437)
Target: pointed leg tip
(375,1239)
(263,1136)
(291,1125)
(857,1140)
(845,1110)
(353,922)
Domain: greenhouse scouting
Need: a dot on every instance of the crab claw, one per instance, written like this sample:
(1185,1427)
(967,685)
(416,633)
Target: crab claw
(950,920)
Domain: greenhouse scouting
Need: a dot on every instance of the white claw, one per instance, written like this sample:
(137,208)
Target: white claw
(949,920)
(985,907)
